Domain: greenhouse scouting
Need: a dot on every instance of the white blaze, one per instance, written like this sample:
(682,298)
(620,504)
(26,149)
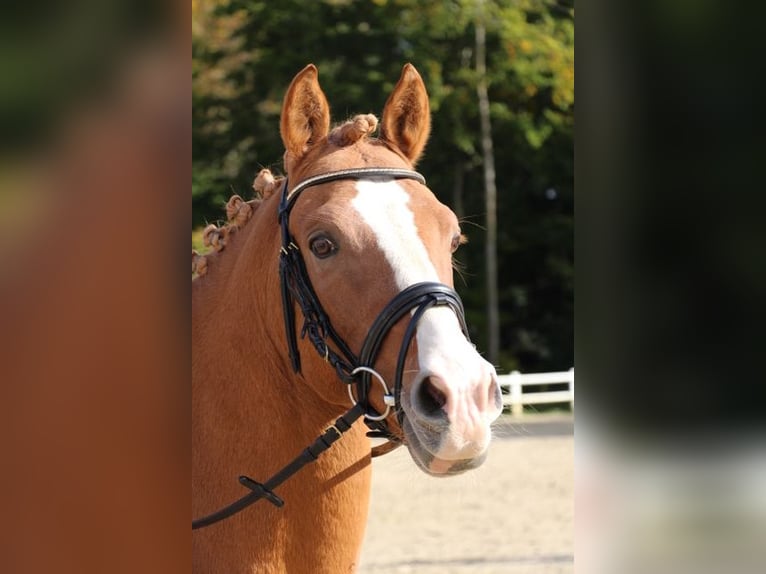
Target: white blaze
(442,348)
(384,207)
(444,354)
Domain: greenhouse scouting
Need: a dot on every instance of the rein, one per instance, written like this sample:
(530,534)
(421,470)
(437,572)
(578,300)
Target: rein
(356,372)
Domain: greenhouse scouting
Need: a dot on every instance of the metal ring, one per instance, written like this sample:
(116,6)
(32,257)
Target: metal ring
(386,394)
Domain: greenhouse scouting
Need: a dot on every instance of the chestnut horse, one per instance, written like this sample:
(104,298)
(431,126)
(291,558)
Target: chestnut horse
(369,245)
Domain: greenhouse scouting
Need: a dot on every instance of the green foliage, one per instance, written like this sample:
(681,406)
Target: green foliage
(245,52)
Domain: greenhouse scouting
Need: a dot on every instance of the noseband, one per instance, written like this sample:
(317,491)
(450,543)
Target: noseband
(356,372)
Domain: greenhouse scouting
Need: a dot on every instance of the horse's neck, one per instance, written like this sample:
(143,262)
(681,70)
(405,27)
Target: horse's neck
(233,312)
(241,370)
(251,416)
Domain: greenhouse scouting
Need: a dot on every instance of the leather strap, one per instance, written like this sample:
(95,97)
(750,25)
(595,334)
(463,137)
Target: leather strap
(266,490)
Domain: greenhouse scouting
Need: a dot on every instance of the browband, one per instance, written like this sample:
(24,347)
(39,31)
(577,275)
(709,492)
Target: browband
(289,196)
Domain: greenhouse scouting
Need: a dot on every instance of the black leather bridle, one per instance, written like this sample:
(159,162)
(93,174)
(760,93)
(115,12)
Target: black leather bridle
(356,372)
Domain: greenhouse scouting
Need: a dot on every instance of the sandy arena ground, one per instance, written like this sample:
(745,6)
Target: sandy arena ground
(513,515)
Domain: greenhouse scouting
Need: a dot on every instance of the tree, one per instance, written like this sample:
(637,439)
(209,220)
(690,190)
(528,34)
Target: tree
(245,52)
(490,190)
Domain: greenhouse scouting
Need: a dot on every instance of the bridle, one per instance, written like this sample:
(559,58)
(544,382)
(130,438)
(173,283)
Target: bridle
(356,372)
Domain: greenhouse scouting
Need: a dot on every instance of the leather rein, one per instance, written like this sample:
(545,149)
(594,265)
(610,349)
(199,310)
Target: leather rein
(356,372)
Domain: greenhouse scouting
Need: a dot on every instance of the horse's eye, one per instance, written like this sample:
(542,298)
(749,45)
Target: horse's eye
(457,241)
(322,247)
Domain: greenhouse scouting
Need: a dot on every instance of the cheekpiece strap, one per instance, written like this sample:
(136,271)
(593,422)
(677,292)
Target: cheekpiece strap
(295,284)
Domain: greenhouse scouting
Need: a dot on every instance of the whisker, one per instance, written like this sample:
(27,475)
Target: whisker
(506,427)
(461,269)
(473,223)
(460,274)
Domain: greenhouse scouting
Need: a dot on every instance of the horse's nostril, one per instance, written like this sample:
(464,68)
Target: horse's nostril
(431,398)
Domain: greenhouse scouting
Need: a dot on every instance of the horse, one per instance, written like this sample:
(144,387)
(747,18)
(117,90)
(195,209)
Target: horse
(353,242)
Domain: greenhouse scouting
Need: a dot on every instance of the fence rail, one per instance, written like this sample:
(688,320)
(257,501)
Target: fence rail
(515,382)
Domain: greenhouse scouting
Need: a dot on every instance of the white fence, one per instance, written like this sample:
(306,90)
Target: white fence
(515,383)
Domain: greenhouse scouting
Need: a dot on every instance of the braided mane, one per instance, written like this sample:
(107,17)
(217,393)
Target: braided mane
(353,130)
(239,211)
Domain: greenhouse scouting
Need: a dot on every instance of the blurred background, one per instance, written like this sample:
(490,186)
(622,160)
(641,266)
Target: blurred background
(512,59)
(500,77)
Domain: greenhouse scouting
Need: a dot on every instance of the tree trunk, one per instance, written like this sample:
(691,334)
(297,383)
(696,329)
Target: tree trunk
(457,190)
(490,191)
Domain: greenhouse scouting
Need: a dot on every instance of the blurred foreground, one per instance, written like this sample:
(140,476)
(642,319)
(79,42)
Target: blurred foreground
(692,504)
(94,178)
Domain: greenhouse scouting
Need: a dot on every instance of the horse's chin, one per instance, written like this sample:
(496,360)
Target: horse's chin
(429,463)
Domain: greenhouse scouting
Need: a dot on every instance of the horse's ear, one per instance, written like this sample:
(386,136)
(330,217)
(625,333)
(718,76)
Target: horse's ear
(305,115)
(407,116)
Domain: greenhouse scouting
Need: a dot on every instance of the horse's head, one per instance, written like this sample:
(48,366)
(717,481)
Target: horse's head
(366,240)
